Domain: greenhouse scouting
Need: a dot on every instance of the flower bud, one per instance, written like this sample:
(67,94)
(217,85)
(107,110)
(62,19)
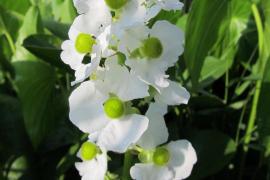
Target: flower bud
(114,108)
(84,43)
(88,151)
(152,48)
(161,156)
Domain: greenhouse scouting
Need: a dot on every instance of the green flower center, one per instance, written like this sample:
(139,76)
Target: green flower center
(116,4)
(114,108)
(88,151)
(161,156)
(84,43)
(152,48)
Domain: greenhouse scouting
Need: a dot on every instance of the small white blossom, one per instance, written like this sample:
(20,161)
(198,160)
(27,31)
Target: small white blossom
(179,159)
(152,69)
(117,130)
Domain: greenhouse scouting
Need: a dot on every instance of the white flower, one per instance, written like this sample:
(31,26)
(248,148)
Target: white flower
(171,162)
(157,132)
(174,94)
(156,5)
(150,52)
(80,45)
(93,108)
(94,161)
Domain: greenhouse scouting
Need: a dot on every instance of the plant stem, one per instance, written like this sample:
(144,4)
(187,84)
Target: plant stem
(253,114)
(127,165)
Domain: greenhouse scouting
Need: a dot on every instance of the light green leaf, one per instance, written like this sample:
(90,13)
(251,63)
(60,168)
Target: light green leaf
(32,24)
(204,21)
(60,6)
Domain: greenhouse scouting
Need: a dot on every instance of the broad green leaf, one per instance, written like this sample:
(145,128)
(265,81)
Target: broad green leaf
(214,150)
(41,101)
(20,6)
(204,21)
(58,29)
(263,111)
(13,137)
(227,44)
(264,100)
(40,46)
(10,22)
(32,24)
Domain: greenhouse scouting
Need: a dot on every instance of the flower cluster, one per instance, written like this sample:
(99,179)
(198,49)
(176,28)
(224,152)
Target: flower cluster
(118,57)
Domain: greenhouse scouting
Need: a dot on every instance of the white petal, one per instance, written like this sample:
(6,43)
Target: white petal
(172,41)
(157,132)
(81,6)
(150,172)
(86,108)
(94,169)
(126,85)
(94,21)
(174,94)
(70,56)
(84,71)
(183,157)
(149,72)
(134,12)
(169,5)
(120,134)
(132,37)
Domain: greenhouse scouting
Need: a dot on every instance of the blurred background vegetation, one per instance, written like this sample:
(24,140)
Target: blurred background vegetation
(225,67)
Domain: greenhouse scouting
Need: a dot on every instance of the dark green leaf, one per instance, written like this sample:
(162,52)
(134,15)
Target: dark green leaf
(40,46)
(214,149)
(42,107)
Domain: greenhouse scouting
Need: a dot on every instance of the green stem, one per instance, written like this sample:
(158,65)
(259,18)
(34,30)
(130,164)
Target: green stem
(10,42)
(253,114)
(127,165)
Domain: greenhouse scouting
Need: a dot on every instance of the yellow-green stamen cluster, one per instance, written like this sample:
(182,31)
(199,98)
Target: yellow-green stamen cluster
(161,156)
(84,43)
(114,108)
(88,151)
(152,48)
(116,4)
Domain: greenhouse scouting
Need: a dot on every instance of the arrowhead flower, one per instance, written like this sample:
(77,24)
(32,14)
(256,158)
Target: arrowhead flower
(94,161)
(103,106)
(172,161)
(150,52)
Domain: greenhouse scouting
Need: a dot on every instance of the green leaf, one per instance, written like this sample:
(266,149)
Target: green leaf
(60,6)
(41,101)
(214,150)
(20,6)
(32,24)
(204,21)
(12,133)
(40,46)
(58,29)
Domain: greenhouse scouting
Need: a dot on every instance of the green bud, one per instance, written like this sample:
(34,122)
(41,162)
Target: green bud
(146,156)
(116,4)
(88,151)
(114,108)
(161,156)
(152,48)
(84,43)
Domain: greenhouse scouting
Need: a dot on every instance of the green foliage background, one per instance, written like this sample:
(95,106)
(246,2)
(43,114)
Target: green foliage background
(225,66)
